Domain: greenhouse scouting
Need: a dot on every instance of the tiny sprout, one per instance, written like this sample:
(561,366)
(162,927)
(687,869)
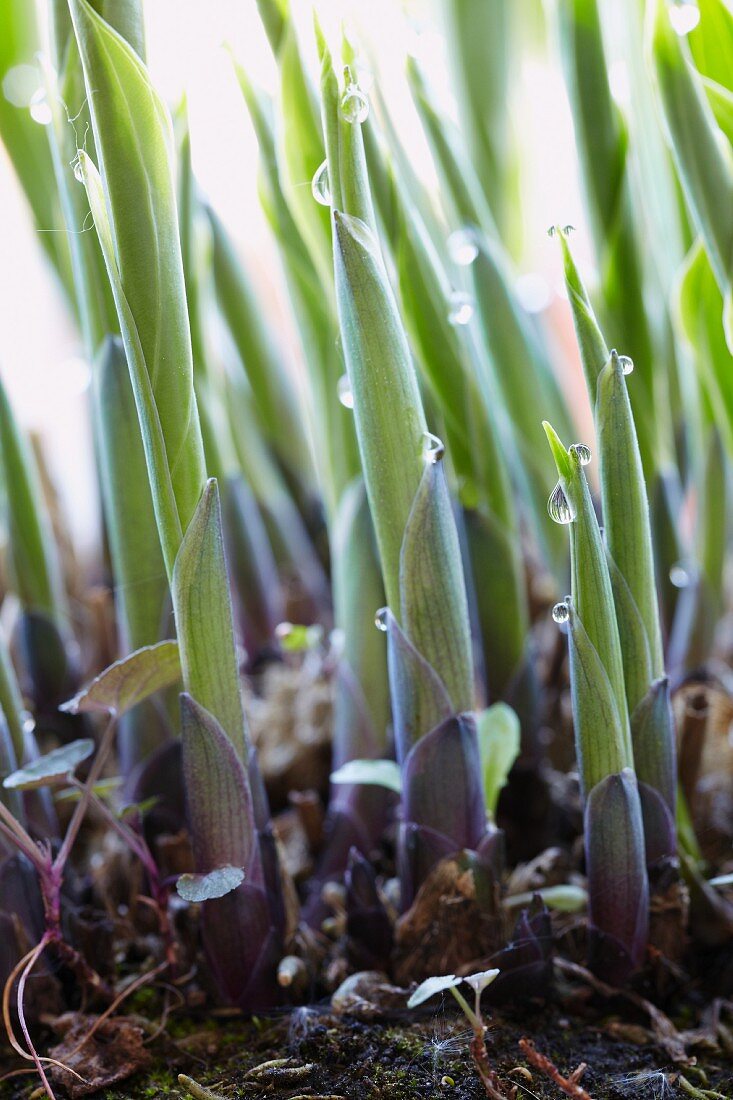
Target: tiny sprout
(433,448)
(561,612)
(447,1082)
(296,638)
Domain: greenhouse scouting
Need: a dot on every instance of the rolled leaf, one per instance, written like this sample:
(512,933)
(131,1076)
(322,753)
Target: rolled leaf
(617,884)
(204,620)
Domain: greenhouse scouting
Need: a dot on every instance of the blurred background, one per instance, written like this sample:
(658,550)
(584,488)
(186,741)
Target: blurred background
(40,353)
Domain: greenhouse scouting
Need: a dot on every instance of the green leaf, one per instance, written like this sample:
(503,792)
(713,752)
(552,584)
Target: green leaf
(55,767)
(565,898)
(273,390)
(156,456)
(34,561)
(699,311)
(141,585)
(214,884)
(217,792)
(129,681)
(705,166)
(204,620)
(602,736)
(141,247)
(592,595)
(625,504)
(499,745)
(390,421)
(434,607)
(358,591)
(380,773)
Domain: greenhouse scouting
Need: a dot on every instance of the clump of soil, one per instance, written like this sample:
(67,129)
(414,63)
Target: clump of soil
(309,1053)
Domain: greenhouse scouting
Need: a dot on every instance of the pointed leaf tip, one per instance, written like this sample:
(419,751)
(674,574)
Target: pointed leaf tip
(559,451)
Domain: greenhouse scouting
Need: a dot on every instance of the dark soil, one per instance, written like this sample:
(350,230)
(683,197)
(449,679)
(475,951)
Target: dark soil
(325,1058)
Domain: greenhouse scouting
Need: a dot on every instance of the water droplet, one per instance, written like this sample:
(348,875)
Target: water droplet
(461,308)
(433,448)
(552,231)
(583,451)
(320,187)
(533,291)
(627,363)
(40,109)
(381,619)
(558,506)
(682,574)
(684,15)
(462,247)
(19,84)
(78,170)
(346,397)
(568,229)
(354,105)
(561,612)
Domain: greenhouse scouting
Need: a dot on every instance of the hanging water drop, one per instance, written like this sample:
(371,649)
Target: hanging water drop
(354,105)
(681,574)
(552,231)
(320,186)
(78,170)
(381,619)
(583,451)
(558,506)
(461,308)
(568,229)
(561,612)
(626,363)
(345,395)
(684,15)
(433,448)
(39,107)
(462,247)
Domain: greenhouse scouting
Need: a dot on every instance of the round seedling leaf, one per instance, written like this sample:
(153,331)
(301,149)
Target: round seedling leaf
(214,884)
(378,773)
(54,767)
(431,986)
(480,980)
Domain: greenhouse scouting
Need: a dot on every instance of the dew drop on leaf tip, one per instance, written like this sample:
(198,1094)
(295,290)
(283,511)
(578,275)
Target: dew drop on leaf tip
(583,451)
(354,105)
(561,612)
